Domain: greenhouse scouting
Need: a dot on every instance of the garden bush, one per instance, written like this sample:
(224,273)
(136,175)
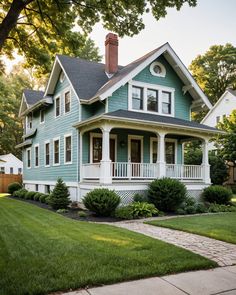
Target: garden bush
(215,208)
(20,193)
(139,198)
(59,197)
(217,194)
(167,194)
(43,197)
(101,201)
(136,210)
(191,206)
(37,196)
(14,186)
(30,195)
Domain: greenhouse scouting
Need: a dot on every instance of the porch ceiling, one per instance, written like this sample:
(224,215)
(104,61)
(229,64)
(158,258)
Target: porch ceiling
(150,121)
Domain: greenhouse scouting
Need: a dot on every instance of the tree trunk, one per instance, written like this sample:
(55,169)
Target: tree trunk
(9,22)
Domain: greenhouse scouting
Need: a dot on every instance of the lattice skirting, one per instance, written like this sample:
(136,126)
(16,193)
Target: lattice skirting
(127,196)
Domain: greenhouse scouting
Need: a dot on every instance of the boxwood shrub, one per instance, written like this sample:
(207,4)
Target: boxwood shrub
(14,186)
(30,195)
(101,201)
(217,194)
(43,197)
(37,196)
(167,194)
(21,193)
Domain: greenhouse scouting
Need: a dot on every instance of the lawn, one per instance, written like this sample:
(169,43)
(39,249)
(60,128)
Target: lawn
(42,251)
(218,226)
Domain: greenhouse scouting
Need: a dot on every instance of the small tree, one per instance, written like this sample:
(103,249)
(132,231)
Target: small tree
(59,198)
(218,170)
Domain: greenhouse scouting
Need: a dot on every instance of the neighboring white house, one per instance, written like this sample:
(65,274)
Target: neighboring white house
(223,108)
(9,164)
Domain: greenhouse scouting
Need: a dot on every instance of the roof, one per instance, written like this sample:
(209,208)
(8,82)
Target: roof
(149,118)
(32,96)
(228,90)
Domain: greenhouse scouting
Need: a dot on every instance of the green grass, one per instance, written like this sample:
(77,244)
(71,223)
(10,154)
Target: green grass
(218,226)
(41,252)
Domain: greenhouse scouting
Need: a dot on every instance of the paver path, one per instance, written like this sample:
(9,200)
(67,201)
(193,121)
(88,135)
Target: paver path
(221,252)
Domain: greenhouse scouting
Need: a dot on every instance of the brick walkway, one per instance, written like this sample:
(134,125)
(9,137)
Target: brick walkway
(221,252)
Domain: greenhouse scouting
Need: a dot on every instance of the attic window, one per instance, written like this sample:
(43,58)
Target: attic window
(157,69)
(62,77)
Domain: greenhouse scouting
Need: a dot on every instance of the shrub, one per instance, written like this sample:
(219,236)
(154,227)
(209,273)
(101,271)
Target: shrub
(59,197)
(201,208)
(136,210)
(42,198)
(215,208)
(82,214)
(20,193)
(190,206)
(101,201)
(139,198)
(218,170)
(47,199)
(167,194)
(62,210)
(37,196)
(14,186)
(30,195)
(217,194)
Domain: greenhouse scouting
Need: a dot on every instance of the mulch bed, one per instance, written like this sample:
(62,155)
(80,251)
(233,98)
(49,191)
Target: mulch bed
(72,213)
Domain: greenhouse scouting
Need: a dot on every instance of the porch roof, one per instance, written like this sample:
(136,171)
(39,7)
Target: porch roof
(152,119)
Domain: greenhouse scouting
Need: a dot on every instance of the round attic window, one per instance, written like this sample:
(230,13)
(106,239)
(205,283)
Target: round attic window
(157,69)
(62,77)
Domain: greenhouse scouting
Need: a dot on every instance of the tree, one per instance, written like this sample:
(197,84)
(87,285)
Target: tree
(11,129)
(59,198)
(215,70)
(39,29)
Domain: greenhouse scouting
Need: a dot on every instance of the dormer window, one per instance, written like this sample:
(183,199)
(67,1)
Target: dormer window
(157,69)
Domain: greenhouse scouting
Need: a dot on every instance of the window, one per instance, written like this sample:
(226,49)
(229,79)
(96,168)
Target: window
(11,170)
(217,119)
(56,152)
(57,107)
(36,156)
(137,98)
(47,189)
(42,116)
(28,158)
(47,154)
(2,170)
(169,151)
(62,77)
(68,149)
(166,102)
(152,100)
(97,149)
(157,69)
(36,187)
(67,102)
(19,170)
(29,121)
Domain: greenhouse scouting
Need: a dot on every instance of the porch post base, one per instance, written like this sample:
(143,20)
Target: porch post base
(162,169)
(105,172)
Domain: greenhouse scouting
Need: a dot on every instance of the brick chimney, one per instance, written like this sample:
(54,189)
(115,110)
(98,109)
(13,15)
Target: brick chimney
(111,54)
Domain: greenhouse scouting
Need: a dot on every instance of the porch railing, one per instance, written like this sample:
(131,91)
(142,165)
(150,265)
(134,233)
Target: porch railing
(127,170)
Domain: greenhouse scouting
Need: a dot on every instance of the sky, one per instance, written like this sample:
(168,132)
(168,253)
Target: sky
(190,31)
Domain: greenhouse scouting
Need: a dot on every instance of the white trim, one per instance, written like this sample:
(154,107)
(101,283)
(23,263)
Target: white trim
(49,182)
(67,89)
(44,158)
(138,137)
(160,89)
(23,99)
(28,149)
(65,136)
(53,162)
(55,106)
(155,139)
(42,122)
(36,145)
(163,69)
(99,135)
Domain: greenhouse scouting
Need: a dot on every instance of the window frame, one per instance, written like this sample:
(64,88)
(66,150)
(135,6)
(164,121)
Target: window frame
(11,170)
(2,170)
(45,154)
(36,146)
(27,159)
(64,95)
(29,122)
(163,69)
(65,137)
(57,98)
(159,89)
(59,149)
(40,116)
(141,99)
(154,139)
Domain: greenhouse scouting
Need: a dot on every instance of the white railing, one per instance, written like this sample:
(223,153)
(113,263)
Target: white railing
(133,170)
(127,170)
(91,170)
(184,171)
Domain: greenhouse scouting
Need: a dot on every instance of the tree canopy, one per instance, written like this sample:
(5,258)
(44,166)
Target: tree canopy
(39,29)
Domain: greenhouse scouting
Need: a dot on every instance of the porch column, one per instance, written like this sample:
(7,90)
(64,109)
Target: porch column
(161,155)
(105,170)
(205,162)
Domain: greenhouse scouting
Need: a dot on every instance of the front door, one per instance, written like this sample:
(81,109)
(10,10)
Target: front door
(135,156)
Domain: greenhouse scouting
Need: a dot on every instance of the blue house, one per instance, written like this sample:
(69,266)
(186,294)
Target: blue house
(104,125)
